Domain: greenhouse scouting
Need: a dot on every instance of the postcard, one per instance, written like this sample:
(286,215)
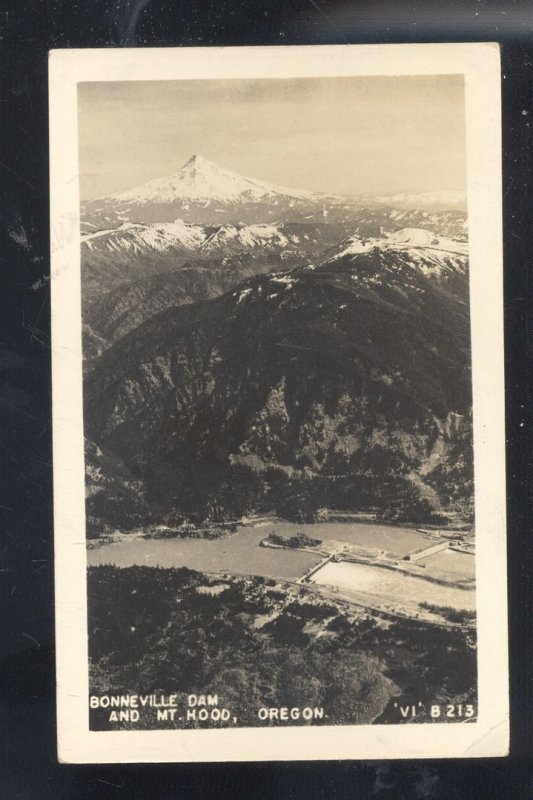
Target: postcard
(278,403)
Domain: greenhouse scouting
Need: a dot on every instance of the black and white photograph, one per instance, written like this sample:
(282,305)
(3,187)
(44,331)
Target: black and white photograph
(280,346)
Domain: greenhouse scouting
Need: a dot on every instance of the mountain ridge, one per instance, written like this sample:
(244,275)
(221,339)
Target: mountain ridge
(122,308)
(119,256)
(349,369)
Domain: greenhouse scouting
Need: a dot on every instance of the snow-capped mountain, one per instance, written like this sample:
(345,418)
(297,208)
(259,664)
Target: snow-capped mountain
(204,192)
(200,180)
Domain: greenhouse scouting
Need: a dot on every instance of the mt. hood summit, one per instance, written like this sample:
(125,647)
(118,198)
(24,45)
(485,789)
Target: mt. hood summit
(203,192)
(202,180)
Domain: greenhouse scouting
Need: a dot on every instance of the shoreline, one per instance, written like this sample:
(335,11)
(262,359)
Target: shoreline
(333,517)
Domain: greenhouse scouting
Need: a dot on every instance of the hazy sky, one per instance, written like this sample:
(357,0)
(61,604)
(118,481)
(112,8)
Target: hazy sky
(339,135)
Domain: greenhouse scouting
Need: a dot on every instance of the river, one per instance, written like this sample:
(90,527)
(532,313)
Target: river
(239,553)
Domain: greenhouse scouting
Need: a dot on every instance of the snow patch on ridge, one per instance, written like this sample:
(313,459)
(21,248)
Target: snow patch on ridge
(355,244)
(285,280)
(419,237)
(405,238)
(244,294)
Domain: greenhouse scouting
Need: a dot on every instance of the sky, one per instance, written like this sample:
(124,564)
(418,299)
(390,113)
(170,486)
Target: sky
(355,135)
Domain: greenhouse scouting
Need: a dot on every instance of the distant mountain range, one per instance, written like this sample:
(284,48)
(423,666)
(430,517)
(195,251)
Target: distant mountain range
(202,192)
(205,212)
(427,201)
(121,310)
(255,348)
(157,228)
(117,257)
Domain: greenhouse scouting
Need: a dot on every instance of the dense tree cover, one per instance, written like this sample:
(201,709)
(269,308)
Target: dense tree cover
(242,491)
(299,539)
(159,630)
(217,495)
(376,477)
(453,479)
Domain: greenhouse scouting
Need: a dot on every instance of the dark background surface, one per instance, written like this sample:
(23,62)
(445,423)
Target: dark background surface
(28,766)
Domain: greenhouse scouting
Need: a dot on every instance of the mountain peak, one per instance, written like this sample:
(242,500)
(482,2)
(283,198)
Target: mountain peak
(201,180)
(199,162)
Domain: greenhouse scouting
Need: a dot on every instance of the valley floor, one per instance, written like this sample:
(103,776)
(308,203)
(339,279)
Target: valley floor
(395,570)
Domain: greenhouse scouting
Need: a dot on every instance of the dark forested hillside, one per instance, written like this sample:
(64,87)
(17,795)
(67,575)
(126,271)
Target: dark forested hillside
(348,383)
(179,631)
